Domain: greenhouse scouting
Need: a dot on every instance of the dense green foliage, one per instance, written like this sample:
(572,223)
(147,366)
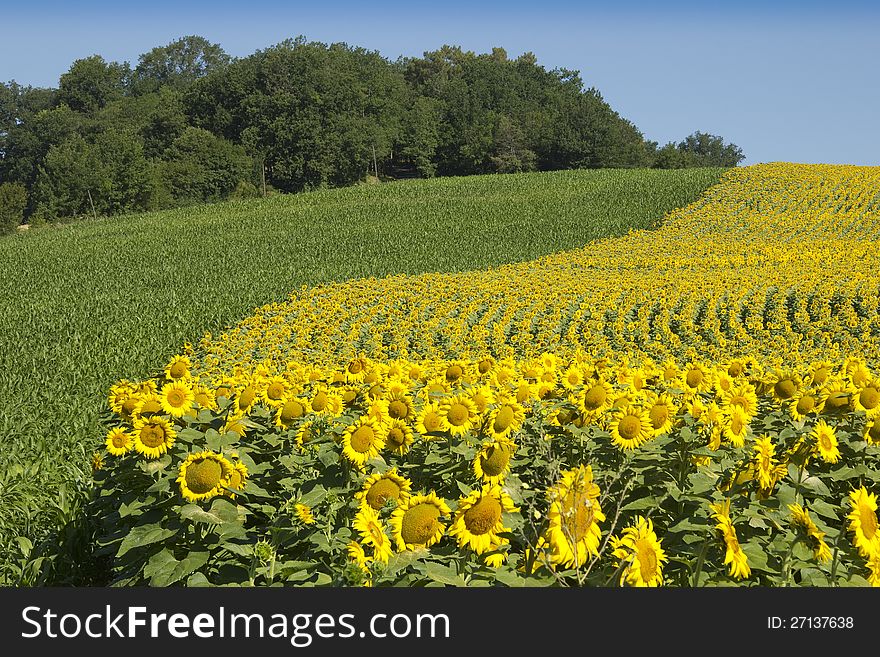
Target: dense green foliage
(13,201)
(97,301)
(189,124)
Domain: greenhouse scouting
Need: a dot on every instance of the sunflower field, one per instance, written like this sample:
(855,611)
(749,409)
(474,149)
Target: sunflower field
(697,405)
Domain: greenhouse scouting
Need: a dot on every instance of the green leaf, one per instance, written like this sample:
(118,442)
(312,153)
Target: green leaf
(190,563)
(197,514)
(144,535)
(444,574)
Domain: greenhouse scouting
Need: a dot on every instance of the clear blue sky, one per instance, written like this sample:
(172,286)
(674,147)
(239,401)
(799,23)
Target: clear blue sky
(786,80)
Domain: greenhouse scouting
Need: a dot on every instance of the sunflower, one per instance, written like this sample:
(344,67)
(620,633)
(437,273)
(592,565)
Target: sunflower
(356,370)
(492,462)
(872,432)
(800,517)
(482,396)
(764,462)
(573,533)
(246,398)
(153,436)
(378,489)
(734,555)
(204,475)
(430,420)
(631,428)
(305,434)
(235,423)
(640,555)
(368,524)
(274,391)
(288,412)
(204,397)
(460,414)
(304,513)
(735,426)
(807,402)
(826,442)
(696,378)
(838,394)
(478,522)
(148,404)
(867,399)
(362,442)
(820,371)
(863,521)
(456,372)
(572,378)
(784,384)
(742,395)
(415,523)
(325,402)
(505,419)
(398,436)
(118,441)
(237,479)
(661,412)
(874,566)
(119,394)
(176,398)
(357,555)
(178,369)
(595,398)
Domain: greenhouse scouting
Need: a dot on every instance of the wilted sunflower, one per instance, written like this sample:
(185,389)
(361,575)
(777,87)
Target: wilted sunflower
(415,523)
(478,519)
(640,555)
(204,475)
(492,462)
(378,489)
(362,442)
(863,521)
(153,436)
(118,441)
(574,516)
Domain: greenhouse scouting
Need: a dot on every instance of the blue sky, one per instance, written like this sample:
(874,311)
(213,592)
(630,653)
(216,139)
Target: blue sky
(794,81)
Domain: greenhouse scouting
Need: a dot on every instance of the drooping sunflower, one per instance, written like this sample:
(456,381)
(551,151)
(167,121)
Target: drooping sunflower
(362,442)
(838,393)
(398,436)
(764,462)
(863,521)
(204,475)
(416,522)
(237,479)
(305,434)
(478,519)
(867,399)
(573,533)
(118,441)
(460,414)
(378,489)
(492,462)
(368,524)
(800,517)
(430,420)
(631,427)
(734,555)
(640,554)
(153,436)
(826,442)
(178,368)
(505,419)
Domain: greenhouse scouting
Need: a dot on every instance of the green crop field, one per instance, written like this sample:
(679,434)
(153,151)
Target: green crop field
(86,304)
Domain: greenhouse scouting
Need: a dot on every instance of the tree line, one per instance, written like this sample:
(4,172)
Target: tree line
(190,124)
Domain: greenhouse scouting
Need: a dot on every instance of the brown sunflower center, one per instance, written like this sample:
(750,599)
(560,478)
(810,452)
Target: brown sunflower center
(151,407)
(825,441)
(176,398)
(119,440)
(454,373)
(275,391)
(246,398)
(629,427)
(735,369)
(420,523)
(362,439)
(868,521)
(458,414)
(398,409)
(129,405)
(203,475)
(432,421)
(806,404)
(483,516)
(178,370)
(319,401)
(396,437)
(383,490)
(484,366)
(874,431)
(355,367)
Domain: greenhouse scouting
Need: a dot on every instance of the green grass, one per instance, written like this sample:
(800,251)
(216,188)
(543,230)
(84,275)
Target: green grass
(89,303)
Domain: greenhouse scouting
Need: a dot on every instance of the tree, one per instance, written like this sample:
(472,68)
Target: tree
(710,151)
(13,201)
(91,83)
(67,180)
(178,64)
